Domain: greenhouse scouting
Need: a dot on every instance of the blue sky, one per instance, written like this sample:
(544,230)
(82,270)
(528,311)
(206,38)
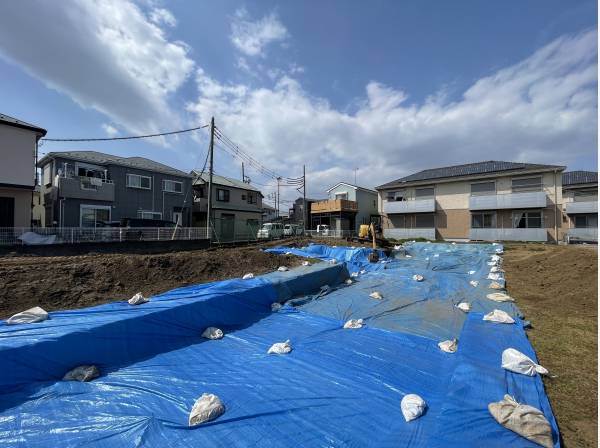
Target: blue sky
(389,87)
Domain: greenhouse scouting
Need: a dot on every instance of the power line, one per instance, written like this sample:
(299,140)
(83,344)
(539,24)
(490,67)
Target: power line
(130,137)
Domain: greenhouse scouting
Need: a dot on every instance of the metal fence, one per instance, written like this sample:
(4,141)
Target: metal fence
(73,235)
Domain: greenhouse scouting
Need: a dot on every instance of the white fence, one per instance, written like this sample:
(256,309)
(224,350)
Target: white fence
(73,235)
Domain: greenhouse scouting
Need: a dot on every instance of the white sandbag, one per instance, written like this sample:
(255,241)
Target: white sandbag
(436,255)
(500,297)
(376,295)
(496,269)
(499,316)
(474,283)
(282,268)
(464,306)
(354,274)
(206,408)
(353,323)
(408,256)
(32,238)
(523,419)
(288,253)
(517,362)
(499,251)
(449,346)
(363,271)
(496,258)
(212,333)
(494,276)
(30,316)
(305,263)
(496,285)
(248,276)
(398,247)
(138,299)
(276,306)
(418,278)
(472,272)
(348,281)
(82,373)
(280,348)
(332,261)
(412,407)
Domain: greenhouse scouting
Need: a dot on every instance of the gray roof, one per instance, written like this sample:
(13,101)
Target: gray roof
(222,180)
(101,158)
(579,177)
(470,169)
(11,121)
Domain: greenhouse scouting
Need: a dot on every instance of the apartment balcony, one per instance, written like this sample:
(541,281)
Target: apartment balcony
(581,207)
(509,234)
(529,199)
(414,206)
(79,187)
(583,233)
(404,234)
(334,205)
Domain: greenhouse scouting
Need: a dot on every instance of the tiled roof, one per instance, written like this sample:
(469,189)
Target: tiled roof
(101,158)
(11,121)
(470,169)
(579,177)
(222,180)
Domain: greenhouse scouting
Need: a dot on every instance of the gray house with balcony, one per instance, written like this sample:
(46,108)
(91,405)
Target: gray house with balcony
(89,188)
(580,201)
(492,200)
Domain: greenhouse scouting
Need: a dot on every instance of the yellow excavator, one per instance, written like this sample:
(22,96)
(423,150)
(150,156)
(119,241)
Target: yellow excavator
(371,233)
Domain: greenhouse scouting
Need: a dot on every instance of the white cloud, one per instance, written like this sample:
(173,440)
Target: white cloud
(251,37)
(105,55)
(162,16)
(543,109)
(111,131)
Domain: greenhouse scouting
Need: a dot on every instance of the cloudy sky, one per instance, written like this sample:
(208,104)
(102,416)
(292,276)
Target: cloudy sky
(386,87)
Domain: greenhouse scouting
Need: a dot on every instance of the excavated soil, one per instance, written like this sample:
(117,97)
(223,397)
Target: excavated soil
(556,287)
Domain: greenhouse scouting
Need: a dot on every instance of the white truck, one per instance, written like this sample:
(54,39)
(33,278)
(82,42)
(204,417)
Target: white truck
(270,231)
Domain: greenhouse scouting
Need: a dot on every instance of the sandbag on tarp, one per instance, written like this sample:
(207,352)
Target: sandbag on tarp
(30,316)
(32,238)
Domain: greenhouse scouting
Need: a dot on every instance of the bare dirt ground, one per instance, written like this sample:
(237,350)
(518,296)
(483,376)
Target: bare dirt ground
(556,287)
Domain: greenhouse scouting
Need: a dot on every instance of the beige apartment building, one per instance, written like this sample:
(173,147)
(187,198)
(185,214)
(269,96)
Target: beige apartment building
(489,201)
(580,205)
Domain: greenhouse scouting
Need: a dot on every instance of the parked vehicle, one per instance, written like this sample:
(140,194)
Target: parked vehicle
(323,229)
(292,230)
(270,230)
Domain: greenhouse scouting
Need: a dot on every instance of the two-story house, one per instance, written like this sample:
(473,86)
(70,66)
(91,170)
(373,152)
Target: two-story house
(89,188)
(580,205)
(488,201)
(347,207)
(236,206)
(18,150)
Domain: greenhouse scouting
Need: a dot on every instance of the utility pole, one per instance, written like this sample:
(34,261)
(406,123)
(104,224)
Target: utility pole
(304,197)
(277,198)
(210,178)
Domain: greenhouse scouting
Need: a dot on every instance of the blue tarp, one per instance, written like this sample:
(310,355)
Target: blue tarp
(336,388)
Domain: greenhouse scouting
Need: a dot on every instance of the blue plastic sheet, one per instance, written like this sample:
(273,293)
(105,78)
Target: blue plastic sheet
(336,388)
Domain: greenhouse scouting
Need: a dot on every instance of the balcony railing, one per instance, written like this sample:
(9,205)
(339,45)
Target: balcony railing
(582,207)
(529,199)
(81,187)
(509,234)
(403,234)
(334,205)
(583,233)
(414,206)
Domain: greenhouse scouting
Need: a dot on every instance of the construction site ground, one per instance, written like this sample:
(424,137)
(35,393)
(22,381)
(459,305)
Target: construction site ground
(555,287)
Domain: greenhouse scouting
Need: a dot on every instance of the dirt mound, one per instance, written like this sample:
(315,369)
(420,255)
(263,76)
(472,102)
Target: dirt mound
(57,283)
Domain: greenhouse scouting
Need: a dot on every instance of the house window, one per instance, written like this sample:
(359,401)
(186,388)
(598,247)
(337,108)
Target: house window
(46,174)
(172,186)
(586,221)
(251,197)
(342,195)
(222,195)
(527,184)
(424,221)
(483,188)
(527,220)
(426,192)
(483,220)
(93,215)
(149,215)
(137,181)
(396,196)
